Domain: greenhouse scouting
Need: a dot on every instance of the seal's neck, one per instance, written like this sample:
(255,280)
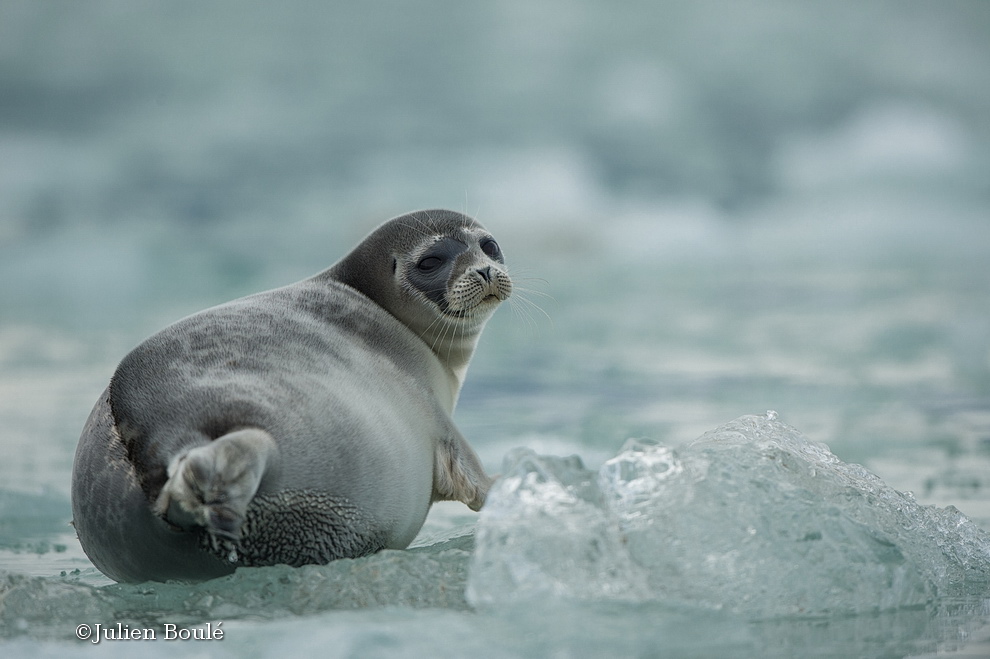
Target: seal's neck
(454,347)
(452,340)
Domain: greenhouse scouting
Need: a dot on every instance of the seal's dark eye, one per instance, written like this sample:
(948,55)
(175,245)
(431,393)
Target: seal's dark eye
(429,263)
(490,247)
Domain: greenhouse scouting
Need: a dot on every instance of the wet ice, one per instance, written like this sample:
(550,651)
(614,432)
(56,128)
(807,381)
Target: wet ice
(752,517)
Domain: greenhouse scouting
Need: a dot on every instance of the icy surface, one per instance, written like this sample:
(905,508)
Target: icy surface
(749,542)
(752,517)
(416,578)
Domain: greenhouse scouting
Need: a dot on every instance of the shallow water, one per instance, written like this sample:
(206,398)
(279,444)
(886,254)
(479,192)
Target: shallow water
(707,216)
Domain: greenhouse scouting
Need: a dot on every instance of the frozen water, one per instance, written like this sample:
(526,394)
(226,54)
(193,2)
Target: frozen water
(543,533)
(675,548)
(752,517)
(416,578)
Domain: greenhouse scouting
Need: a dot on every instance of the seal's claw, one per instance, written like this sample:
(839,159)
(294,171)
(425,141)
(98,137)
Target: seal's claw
(458,474)
(211,486)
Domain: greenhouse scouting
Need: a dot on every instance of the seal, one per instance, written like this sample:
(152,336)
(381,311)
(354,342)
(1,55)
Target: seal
(300,425)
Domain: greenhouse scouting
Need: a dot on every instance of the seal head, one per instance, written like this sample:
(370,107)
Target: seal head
(440,273)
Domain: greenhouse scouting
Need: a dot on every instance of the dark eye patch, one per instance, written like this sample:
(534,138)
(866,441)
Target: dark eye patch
(432,270)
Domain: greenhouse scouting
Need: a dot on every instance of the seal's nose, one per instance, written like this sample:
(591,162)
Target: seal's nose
(486,273)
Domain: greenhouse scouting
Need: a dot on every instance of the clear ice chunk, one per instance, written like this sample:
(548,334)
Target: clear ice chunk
(574,553)
(752,517)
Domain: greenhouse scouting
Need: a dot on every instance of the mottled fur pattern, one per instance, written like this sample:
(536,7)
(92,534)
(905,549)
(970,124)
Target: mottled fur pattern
(297,527)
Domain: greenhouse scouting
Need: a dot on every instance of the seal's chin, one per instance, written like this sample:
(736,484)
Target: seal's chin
(481,308)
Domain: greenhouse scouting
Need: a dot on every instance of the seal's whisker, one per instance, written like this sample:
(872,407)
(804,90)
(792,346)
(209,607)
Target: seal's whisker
(434,222)
(522,297)
(524,308)
(532,291)
(418,228)
(455,329)
(538,279)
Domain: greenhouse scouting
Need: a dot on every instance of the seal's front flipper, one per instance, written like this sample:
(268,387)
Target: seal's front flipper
(458,474)
(211,486)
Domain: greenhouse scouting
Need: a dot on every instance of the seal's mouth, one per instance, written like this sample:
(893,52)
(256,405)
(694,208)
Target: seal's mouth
(491,299)
(475,294)
(487,301)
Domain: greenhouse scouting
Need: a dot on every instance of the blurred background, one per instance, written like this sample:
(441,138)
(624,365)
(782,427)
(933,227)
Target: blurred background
(720,207)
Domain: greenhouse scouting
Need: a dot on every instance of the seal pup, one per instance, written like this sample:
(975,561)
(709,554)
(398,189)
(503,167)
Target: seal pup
(299,425)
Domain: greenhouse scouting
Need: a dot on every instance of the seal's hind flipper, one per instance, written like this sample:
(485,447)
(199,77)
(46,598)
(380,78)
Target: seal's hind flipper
(211,486)
(458,474)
